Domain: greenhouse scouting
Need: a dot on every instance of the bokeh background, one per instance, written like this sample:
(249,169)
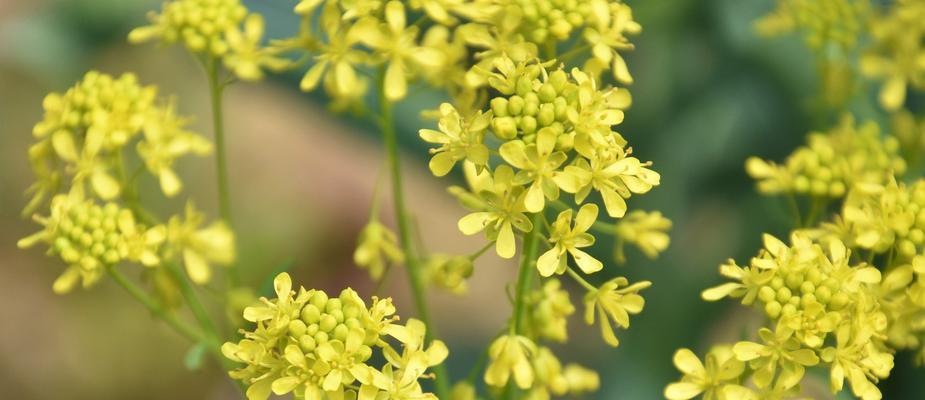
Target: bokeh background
(709,93)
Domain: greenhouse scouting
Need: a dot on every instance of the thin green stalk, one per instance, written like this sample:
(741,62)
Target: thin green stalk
(199,311)
(181,327)
(412,264)
(527,260)
(577,277)
(221,164)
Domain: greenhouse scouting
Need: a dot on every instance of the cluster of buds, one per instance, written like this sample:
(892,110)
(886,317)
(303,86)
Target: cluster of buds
(832,163)
(823,308)
(315,346)
(219,29)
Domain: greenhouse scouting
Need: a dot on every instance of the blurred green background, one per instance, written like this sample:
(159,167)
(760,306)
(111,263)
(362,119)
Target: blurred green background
(708,94)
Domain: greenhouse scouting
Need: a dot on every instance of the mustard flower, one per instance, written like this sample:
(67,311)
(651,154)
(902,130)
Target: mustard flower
(396,43)
(853,358)
(459,139)
(449,272)
(780,350)
(614,174)
(499,208)
(549,309)
(898,56)
(612,22)
(200,247)
(214,28)
(165,140)
(569,239)
(716,380)
(377,248)
(88,125)
(614,300)
(836,22)
(247,58)
(336,58)
(832,162)
(510,355)
(537,162)
(645,230)
(90,238)
(316,346)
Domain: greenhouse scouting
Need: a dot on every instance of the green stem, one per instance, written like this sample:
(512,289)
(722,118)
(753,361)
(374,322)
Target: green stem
(155,308)
(577,277)
(199,311)
(221,164)
(216,88)
(412,263)
(527,260)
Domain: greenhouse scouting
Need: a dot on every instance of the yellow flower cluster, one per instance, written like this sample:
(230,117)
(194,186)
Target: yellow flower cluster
(824,309)
(314,346)
(82,150)
(536,369)
(218,29)
(452,43)
(822,23)
(90,238)
(832,163)
(646,230)
(897,56)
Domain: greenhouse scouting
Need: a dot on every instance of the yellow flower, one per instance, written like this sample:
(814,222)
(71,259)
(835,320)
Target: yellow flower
(611,302)
(549,309)
(780,349)
(645,230)
(568,239)
(459,139)
(855,359)
(510,355)
(376,249)
(336,58)
(898,56)
(247,58)
(199,247)
(721,373)
(614,174)
(499,209)
(449,272)
(607,36)
(165,140)
(313,346)
(90,238)
(396,43)
(833,162)
(537,162)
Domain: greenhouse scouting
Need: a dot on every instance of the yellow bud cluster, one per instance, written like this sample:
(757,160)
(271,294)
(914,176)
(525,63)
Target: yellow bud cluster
(449,272)
(822,23)
(90,238)
(315,346)
(221,29)
(832,163)
(884,218)
(86,130)
(823,307)
(377,248)
(549,309)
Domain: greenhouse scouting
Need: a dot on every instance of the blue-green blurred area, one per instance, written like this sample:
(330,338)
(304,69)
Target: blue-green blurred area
(708,94)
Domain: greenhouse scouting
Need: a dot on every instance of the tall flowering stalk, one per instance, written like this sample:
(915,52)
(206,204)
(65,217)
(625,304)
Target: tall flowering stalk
(844,294)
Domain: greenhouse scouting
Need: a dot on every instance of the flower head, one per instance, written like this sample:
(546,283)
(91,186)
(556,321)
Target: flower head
(569,239)
(614,300)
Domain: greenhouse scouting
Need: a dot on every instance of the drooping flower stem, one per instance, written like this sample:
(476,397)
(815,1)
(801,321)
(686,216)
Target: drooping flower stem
(412,264)
(216,89)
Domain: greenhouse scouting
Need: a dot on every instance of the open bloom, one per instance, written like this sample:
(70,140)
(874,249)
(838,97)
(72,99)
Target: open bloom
(715,380)
(569,239)
(611,302)
(510,356)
